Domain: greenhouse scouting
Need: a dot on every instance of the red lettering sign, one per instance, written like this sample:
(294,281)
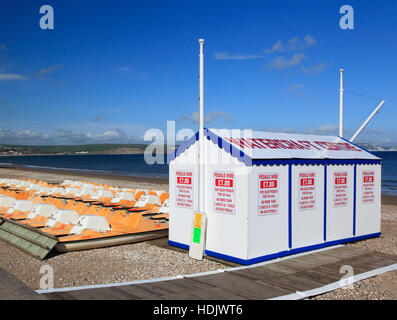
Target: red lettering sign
(268,184)
(341,198)
(368,187)
(227,183)
(184,180)
(184,189)
(340,180)
(260,143)
(224,192)
(268,202)
(307,182)
(307,191)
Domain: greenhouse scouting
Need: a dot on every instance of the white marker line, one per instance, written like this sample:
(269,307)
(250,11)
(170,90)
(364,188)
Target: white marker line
(108,285)
(336,285)
(119,284)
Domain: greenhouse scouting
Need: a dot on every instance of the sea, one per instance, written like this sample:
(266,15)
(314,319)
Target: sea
(116,164)
(389,171)
(135,165)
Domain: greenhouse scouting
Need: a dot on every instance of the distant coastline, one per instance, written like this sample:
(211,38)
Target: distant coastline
(84,173)
(94,149)
(66,154)
(116,149)
(373,148)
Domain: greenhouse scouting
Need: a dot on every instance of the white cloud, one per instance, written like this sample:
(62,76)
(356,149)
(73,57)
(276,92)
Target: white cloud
(64,137)
(4,108)
(327,130)
(49,69)
(99,117)
(370,135)
(281,63)
(123,69)
(277,47)
(71,137)
(314,69)
(208,117)
(295,87)
(310,41)
(23,137)
(12,77)
(297,90)
(293,44)
(233,56)
(107,136)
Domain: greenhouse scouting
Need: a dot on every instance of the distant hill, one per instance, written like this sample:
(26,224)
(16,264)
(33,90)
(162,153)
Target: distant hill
(373,147)
(75,149)
(112,149)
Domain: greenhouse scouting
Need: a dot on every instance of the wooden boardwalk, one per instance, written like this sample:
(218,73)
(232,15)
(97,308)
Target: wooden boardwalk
(302,273)
(13,289)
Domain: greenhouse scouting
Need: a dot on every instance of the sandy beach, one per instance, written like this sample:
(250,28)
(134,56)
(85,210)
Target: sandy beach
(154,259)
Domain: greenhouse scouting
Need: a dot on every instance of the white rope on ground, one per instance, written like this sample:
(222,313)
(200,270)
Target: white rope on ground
(336,285)
(107,285)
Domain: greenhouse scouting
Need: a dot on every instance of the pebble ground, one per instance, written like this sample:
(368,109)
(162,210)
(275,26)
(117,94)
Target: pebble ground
(138,261)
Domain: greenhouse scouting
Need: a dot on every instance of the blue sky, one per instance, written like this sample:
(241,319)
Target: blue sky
(110,70)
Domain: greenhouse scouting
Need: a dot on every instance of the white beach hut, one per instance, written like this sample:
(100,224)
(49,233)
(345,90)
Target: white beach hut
(268,195)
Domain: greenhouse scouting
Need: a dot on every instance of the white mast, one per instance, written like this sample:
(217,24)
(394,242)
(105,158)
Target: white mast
(199,226)
(341,104)
(201,129)
(367,121)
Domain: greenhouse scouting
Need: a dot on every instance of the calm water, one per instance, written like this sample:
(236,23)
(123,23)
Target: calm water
(126,164)
(135,165)
(389,171)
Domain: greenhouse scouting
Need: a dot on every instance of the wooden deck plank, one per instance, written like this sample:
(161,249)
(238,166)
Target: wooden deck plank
(316,259)
(183,296)
(302,263)
(357,266)
(386,255)
(12,288)
(271,280)
(336,270)
(111,293)
(369,262)
(258,273)
(345,252)
(174,287)
(59,296)
(289,282)
(238,285)
(324,274)
(208,294)
(187,284)
(287,267)
(137,293)
(155,289)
